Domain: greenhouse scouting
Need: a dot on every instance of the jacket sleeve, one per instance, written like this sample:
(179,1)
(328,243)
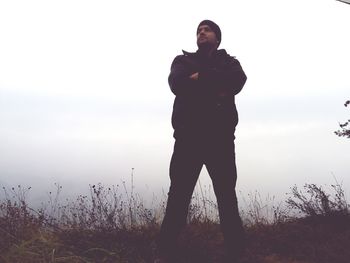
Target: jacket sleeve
(179,77)
(230,78)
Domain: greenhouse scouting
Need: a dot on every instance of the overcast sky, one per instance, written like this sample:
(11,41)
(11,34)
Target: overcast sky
(84,96)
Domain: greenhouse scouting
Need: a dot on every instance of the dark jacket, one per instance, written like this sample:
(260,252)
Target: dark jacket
(207,105)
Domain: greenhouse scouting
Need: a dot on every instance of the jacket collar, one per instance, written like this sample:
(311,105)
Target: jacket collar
(217,53)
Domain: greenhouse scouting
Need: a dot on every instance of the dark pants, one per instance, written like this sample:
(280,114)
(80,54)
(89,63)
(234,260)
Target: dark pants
(190,154)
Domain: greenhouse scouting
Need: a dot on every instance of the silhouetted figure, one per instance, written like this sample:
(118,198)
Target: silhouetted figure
(204,119)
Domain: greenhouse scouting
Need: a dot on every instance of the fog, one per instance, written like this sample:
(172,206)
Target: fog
(84,96)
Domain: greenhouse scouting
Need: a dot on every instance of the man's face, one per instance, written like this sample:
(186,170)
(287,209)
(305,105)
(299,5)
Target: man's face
(206,36)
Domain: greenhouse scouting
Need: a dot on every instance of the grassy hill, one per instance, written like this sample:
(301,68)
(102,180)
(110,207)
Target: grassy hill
(107,226)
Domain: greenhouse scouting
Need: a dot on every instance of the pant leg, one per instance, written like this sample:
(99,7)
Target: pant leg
(221,166)
(185,166)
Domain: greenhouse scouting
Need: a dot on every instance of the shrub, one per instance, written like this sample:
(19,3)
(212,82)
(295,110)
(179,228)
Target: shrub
(315,201)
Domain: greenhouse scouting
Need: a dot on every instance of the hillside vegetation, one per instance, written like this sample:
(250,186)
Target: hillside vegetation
(110,225)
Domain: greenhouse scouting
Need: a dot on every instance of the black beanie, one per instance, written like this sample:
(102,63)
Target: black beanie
(213,27)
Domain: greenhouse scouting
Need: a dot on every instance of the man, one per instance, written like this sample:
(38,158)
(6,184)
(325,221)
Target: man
(204,119)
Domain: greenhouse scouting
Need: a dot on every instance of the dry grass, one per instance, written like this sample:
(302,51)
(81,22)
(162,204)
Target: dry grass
(111,224)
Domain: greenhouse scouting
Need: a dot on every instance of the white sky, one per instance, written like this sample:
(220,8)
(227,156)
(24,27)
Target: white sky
(84,94)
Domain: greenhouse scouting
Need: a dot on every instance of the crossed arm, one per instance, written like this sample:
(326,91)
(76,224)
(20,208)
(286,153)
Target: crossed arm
(228,80)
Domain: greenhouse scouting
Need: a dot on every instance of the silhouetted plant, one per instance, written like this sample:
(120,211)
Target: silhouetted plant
(17,220)
(106,208)
(259,211)
(315,201)
(345,131)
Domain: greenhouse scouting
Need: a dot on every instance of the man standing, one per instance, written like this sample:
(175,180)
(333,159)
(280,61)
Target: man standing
(204,119)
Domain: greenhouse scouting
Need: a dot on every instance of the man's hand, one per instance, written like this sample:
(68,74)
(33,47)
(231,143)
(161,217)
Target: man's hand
(194,76)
